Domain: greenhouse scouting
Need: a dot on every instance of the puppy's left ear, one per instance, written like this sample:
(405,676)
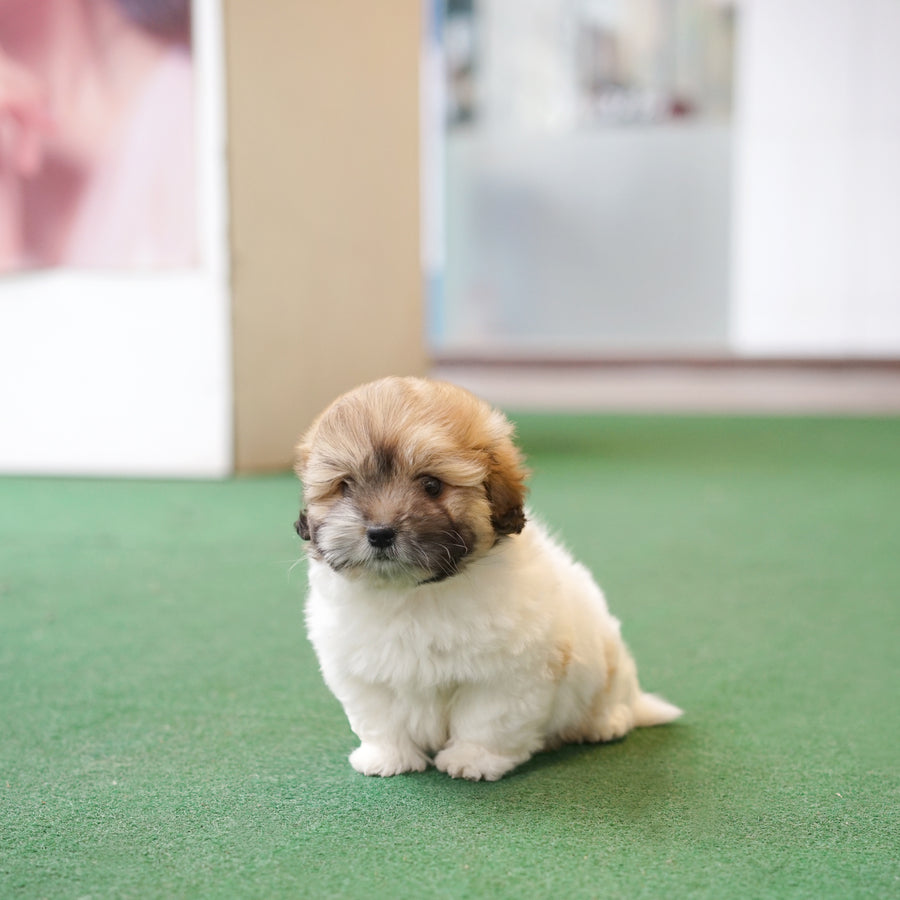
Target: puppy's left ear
(301,526)
(505,486)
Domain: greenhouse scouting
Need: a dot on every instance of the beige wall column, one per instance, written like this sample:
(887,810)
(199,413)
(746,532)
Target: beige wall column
(323,138)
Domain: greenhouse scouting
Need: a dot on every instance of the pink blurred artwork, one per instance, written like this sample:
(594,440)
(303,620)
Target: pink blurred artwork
(97,141)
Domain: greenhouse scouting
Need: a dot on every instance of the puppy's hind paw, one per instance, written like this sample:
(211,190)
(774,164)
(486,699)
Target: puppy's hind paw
(616,724)
(474,763)
(374,759)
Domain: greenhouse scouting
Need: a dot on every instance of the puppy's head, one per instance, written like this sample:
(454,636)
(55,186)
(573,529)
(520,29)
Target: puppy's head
(408,480)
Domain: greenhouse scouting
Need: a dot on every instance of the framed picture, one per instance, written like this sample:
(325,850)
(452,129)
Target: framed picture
(114,307)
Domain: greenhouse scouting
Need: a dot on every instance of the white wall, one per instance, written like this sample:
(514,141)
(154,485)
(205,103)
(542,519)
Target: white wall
(817,189)
(128,374)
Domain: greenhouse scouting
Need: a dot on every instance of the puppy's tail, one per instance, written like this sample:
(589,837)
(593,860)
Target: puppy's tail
(652,710)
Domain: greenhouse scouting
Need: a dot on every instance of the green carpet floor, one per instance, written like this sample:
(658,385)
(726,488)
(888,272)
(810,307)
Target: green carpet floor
(164,731)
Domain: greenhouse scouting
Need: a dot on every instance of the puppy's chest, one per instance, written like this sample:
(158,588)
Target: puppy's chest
(423,651)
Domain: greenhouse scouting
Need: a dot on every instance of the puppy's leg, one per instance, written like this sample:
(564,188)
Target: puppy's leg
(377,718)
(492,732)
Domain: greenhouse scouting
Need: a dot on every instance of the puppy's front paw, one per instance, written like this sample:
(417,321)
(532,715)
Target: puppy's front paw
(470,761)
(373,759)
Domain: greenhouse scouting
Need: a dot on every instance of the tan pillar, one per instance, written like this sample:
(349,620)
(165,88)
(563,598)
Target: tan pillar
(323,144)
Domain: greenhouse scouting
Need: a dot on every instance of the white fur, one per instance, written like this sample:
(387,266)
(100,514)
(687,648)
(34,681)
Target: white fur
(476,673)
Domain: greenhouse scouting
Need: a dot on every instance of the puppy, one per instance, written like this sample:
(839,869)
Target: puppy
(453,632)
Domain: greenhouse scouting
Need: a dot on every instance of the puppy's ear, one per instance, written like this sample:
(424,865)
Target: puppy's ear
(301,455)
(505,488)
(301,526)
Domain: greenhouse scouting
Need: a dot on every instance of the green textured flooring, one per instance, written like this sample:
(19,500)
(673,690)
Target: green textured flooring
(164,731)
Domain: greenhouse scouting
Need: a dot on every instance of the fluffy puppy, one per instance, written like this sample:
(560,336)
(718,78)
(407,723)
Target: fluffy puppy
(451,631)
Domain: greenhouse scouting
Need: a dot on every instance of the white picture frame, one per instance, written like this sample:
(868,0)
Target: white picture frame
(128,373)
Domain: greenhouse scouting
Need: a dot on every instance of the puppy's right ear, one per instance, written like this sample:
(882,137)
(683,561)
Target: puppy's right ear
(301,457)
(301,526)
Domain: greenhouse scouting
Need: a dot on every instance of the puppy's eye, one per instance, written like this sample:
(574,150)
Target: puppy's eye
(344,487)
(432,486)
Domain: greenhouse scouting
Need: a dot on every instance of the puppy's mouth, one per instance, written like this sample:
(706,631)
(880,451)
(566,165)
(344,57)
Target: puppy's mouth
(388,555)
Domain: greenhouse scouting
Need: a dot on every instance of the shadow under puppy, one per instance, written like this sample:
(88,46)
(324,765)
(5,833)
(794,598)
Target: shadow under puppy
(451,631)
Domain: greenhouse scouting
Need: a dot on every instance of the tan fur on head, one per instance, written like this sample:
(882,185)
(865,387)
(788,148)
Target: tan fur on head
(408,478)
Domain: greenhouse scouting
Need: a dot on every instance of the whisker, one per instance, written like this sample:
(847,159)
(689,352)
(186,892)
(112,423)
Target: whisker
(459,542)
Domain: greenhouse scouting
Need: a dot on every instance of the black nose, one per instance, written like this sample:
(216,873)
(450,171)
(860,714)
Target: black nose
(381,536)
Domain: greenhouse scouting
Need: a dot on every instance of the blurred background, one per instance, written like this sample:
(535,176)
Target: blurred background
(215,219)
(668,177)
(587,177)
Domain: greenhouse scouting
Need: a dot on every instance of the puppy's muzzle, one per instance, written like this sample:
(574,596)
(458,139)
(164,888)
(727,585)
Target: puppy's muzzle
(381,537)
